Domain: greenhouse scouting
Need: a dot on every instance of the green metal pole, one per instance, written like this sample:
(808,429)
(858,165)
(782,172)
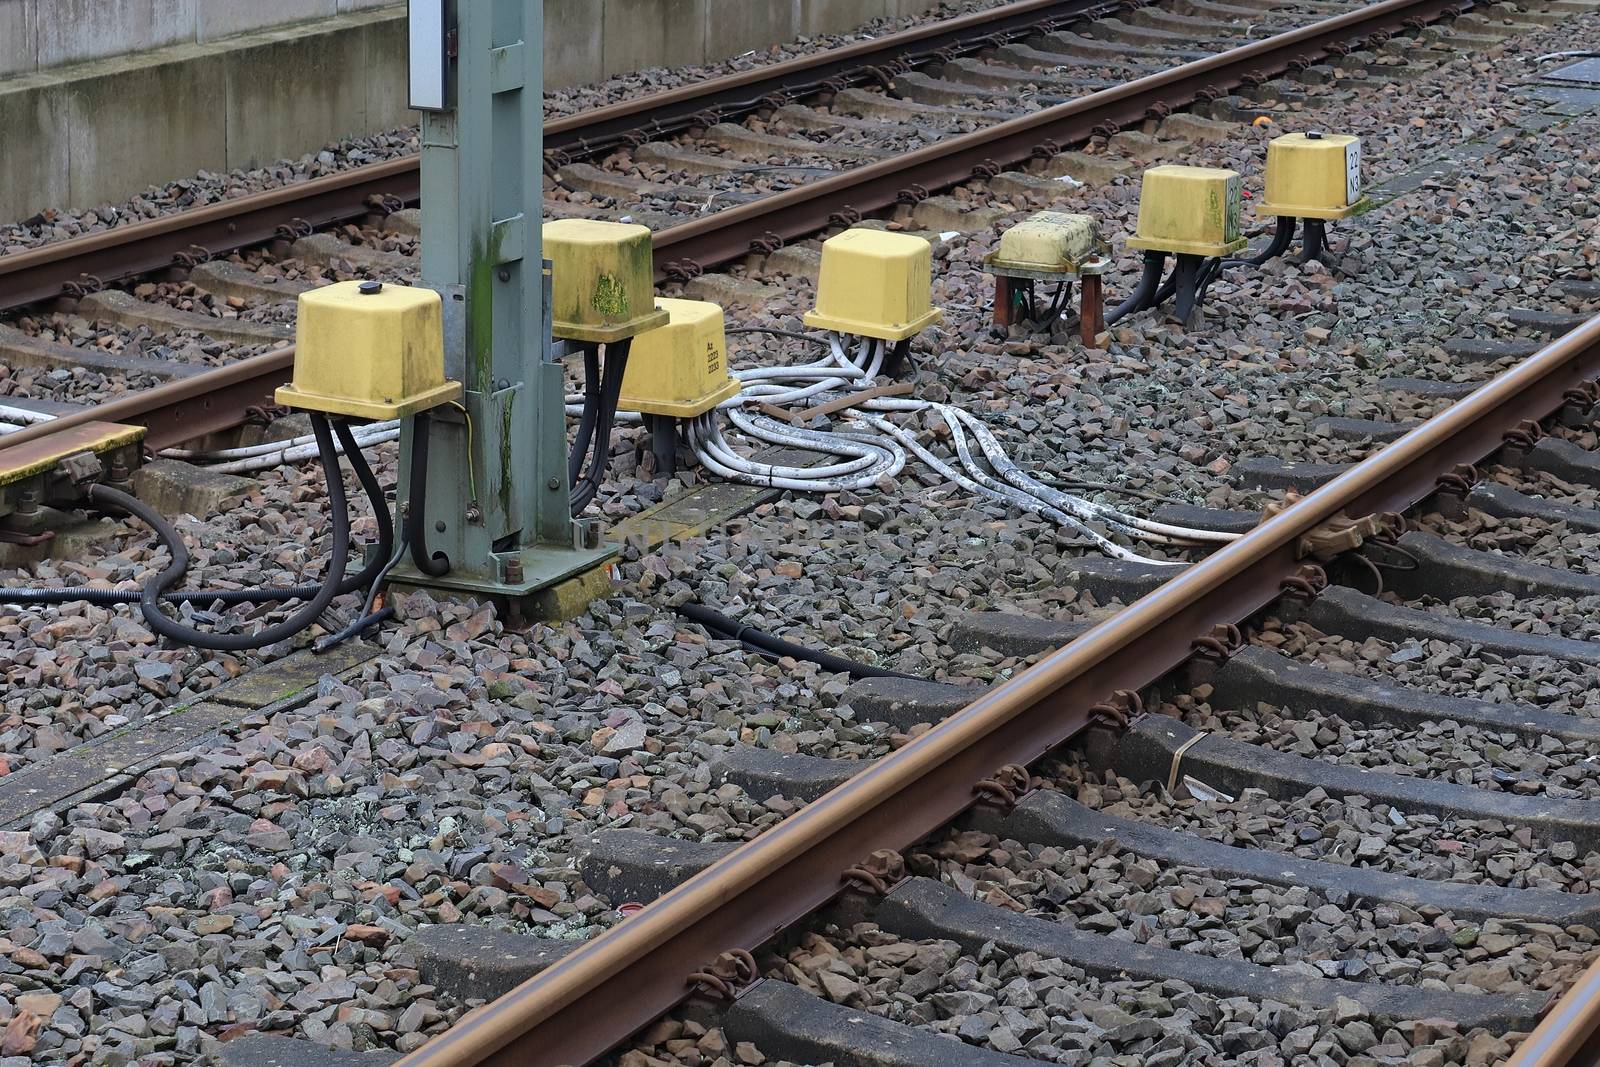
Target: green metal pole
(497,495)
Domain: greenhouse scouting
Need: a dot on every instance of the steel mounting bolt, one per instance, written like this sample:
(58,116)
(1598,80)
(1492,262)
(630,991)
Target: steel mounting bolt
(553,484)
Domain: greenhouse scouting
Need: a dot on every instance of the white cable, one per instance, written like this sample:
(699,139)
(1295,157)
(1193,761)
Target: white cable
(283,454)
(24,416)
(370,431)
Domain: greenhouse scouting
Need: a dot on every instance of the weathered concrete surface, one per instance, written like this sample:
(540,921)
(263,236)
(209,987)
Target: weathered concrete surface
(275,1050)
(784,1020)
(39,34)
(173,488)
(302,90)
(482,962)
(1048,818)
(102,130)
(1151,746)
(648,33)
(923,908)
(109,96)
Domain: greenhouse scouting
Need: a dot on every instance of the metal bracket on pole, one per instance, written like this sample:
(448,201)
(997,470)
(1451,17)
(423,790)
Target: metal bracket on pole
(497,495)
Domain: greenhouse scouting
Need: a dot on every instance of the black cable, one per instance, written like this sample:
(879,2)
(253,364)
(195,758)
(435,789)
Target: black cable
(760,641)
(600,456)
(150,600)
(1277,247)
(380,508)
(368,617)
(432,564)
(1138,300)
(591,410)
(260,595)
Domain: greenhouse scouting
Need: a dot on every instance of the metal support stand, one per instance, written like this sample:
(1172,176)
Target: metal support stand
(1314,245)
(1092,313)
(1186,287)
(497,501)
(664,444)
(1015,301)
(1316,242)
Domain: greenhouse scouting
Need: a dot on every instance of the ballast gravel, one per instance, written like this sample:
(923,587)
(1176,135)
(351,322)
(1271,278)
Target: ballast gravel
(269,878)
(1113,892)
(1350,831)
(1043,1008)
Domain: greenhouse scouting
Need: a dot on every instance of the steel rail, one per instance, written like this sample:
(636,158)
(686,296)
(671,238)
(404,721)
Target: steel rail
(608,988)
(201,233)
(218,229)
(127,251)
(183,409)
(1569,1034)
(858,63)
(682,251)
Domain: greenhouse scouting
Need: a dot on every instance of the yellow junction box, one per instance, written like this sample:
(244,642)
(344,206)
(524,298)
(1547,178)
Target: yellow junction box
(369,350)
(1189,210)
(680,369)
(602,278)
(1047,243)
(1313,176)
(875,284)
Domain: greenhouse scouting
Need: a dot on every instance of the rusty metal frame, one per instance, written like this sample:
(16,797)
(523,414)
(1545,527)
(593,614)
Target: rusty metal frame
(724,236)
(611,986)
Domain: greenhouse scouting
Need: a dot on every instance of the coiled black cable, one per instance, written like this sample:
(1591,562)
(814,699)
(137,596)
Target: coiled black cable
(230,597)
(157,585)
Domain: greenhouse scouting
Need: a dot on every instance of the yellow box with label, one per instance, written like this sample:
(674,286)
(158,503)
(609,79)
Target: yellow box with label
(1189,210)
(1312,176)
(680,369)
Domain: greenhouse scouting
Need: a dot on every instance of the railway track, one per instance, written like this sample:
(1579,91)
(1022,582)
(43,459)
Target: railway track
(1106,874)
(1051,75)
(984,841)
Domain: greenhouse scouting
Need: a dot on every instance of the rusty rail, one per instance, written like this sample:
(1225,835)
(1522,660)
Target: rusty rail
(718,238)
(124,252)
(684,250)
(184,409)
(1569,1035)
(93,261)
(859,63)
(611,986)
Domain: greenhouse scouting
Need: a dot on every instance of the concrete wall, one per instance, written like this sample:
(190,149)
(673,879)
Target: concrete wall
(199,85)
(40,34)
(598,38)
(102,131)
